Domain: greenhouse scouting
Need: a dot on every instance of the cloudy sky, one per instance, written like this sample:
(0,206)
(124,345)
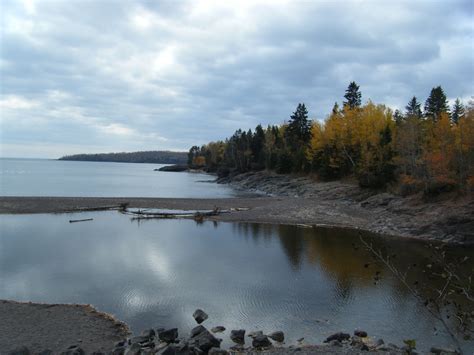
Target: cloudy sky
(99,76)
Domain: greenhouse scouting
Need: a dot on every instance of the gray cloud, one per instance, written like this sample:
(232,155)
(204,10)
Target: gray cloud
(107,75)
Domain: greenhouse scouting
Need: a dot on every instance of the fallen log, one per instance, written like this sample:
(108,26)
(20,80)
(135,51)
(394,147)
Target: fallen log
(80,220)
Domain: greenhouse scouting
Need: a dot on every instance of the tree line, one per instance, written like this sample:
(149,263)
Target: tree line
(429,149)
(153,157)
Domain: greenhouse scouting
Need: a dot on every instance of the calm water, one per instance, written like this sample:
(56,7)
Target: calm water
(308,283)
(39,177)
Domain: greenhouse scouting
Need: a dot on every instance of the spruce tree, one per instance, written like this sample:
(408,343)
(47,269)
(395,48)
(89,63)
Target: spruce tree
(413,109)
(299,128)
(458,111)
(436,103)
(398,117)
(353,96)
(297,137)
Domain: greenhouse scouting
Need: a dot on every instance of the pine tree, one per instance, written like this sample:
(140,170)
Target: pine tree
(436,103)
(335,108)
(353,96)
(398,117)
(413,109)
(458,111)
(298,137)
(299,128)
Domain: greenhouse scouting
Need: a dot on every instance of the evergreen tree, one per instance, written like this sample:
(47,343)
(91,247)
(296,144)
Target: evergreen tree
(413,109)
(298,132)
(353,96)
(436,103)
(398,117)
(335,108)
(458,111)
(298,137)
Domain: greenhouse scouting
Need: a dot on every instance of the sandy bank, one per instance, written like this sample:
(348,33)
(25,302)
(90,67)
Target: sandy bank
(56,327)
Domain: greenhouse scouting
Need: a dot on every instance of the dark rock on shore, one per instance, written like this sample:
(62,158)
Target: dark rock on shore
(261,341)
(360,333)
(338,336)
(238,336)
(204,341)
(197,330)
(278,336)
(200,316)
(173,168)
(168,336)
(218,329)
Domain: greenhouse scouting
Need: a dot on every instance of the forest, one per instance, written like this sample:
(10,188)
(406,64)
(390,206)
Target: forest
(153,157)
(429,149)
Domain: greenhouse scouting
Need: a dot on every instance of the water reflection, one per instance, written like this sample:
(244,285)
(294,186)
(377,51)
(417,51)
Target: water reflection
(306,282)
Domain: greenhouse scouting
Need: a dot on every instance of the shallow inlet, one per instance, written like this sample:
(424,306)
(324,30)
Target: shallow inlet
(306,282)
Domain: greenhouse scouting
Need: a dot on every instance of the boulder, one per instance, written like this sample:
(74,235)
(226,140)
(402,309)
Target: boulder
(360,333)
(139,340)
(278,336)
(197,330)
(218,351)
(168,336)
(200,316)
(150,333)
(238,336)
(261,341)
(218,329)
(134,349)
(205,341)
(255,333)
(338,336)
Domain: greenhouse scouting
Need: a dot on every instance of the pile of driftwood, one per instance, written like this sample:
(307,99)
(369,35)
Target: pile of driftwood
(199,215)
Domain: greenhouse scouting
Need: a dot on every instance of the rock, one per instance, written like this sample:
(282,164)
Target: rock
(197,330)
(22,350)
(168,336)
(218,351)
(139,339)
(261,341)
(300,340)
(278,336)
(335,343)
(218,329)
(338,336)
(255,333)
(379,342)
(238,336)
(205,341)
(443,351)
(46,352)
(150,333)
(169,350)
(200,316)
(360,333)
(120,343)
(134,349)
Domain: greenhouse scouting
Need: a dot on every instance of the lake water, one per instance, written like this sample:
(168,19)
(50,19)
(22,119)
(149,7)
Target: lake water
(306,282)
(41,177)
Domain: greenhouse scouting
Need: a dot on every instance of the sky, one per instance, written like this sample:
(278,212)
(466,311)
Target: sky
(95,76)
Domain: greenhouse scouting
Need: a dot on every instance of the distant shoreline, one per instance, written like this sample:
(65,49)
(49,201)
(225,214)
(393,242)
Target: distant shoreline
(151,157)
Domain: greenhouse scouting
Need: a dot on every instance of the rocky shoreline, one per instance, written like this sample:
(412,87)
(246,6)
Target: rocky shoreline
(447,218)
(202,341)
